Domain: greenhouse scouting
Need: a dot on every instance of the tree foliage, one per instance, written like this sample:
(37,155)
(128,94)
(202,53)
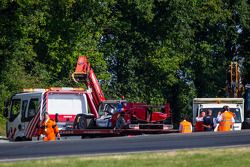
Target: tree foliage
(150,51)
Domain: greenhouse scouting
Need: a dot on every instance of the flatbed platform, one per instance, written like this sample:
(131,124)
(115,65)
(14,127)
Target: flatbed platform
(114,132)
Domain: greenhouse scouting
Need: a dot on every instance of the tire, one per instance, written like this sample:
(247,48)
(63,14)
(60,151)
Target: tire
(23,138)
(18,138)
(82,124)
(26,139)
(91,124)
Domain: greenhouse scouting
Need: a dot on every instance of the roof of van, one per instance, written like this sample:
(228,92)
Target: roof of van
(218,100)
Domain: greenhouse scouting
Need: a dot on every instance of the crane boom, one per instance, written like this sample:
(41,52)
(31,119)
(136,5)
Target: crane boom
(136,112)
(234,86)
(84,73)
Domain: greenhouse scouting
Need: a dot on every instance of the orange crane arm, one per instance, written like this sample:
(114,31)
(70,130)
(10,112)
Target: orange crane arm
(84,73)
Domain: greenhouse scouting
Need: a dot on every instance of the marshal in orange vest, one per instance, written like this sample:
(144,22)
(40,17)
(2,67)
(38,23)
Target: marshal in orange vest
(48,129)
(185,127)
(226,122)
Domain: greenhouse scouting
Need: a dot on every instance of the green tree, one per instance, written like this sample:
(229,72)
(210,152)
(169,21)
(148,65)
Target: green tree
(149,51)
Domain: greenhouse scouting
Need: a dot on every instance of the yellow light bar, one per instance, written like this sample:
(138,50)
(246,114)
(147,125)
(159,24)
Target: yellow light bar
(52,88)
(34,90)
(78,89)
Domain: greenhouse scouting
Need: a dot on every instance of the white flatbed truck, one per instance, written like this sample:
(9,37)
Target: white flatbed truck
(236,106)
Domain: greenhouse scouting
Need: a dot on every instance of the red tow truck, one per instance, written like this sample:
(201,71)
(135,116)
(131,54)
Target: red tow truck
(102,117)
(80,112)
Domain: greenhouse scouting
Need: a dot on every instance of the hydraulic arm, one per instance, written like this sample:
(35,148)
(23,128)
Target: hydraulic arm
(85,74)
(234,85)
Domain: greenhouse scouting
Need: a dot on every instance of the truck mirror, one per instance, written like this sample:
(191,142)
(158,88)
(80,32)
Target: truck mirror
(5,112)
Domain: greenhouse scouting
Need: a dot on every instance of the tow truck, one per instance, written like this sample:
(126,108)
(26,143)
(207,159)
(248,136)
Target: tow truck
(80,112)
(101,119)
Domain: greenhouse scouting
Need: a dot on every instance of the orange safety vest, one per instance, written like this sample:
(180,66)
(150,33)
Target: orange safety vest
(49,130)
(226,122)
(233,114)
(185,127)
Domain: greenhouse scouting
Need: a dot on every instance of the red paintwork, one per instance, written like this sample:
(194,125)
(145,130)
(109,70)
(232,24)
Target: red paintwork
(158,116)
(63,118)
(140,111)
(83,67)
(92,106)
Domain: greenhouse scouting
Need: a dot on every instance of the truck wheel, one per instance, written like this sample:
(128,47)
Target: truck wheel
(82,124)
(26,139)
(23,138)
(90,123)
(18,138)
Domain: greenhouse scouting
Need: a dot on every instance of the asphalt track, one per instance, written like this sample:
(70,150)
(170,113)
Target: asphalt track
(38,149)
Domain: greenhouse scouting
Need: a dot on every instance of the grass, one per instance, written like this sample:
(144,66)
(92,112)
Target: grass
(223,157)
(2,126)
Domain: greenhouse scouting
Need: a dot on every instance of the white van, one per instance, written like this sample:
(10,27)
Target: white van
(236,106)
(24,110)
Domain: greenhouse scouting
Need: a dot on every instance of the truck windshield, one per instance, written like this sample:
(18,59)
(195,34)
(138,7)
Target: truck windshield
(236,111)
(67,104)
(108,108)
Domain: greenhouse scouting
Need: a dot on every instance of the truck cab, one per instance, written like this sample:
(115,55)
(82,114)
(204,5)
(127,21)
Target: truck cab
(25,110)
(236,106)
(21,109)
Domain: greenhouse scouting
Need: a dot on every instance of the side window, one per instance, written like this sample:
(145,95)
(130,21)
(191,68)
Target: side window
(101,109)
(15,109)
(111,109)
(24,107)
(198,112)
(32,110)
(237,115)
